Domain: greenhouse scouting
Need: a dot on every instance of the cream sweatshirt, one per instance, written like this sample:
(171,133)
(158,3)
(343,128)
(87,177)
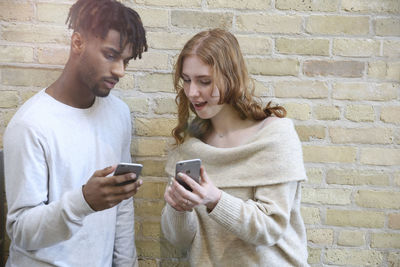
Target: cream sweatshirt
(257,221)
(51,150)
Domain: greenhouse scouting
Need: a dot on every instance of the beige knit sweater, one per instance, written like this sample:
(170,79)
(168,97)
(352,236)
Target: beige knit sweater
(257,221)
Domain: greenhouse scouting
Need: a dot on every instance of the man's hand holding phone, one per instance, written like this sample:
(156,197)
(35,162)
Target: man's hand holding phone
(203,192)
(124,168)
(103,192)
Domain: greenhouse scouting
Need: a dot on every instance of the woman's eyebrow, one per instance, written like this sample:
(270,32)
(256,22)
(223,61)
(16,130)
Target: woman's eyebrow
(197,76)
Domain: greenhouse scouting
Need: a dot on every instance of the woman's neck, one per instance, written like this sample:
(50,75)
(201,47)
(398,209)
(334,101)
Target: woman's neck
(229,130)
(226,121)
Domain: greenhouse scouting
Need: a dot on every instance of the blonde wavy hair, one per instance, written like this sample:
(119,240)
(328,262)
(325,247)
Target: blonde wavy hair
(221,51)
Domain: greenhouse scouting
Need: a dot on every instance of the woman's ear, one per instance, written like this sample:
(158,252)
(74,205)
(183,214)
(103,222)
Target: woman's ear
(77,43)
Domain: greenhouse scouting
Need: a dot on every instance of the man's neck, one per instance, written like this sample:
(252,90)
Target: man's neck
(69,90)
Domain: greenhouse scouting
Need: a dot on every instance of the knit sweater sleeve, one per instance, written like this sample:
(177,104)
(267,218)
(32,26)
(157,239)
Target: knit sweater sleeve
(179,228)
(261,221)
(32,222)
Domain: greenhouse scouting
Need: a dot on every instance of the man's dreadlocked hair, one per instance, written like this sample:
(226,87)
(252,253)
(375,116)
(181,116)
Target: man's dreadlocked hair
(99,16)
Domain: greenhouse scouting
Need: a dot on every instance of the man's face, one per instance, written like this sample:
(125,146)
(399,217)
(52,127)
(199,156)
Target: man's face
(103,62)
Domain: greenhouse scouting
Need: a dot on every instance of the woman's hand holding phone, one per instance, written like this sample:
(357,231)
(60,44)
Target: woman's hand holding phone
(203,193)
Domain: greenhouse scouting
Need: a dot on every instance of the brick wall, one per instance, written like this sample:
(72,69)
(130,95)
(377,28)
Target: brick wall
(334,65)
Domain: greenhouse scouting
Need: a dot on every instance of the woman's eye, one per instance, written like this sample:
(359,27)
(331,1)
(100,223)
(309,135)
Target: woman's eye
(205,82)
(186,80)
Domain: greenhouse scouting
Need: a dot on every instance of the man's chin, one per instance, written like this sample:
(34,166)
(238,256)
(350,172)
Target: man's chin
(101,93)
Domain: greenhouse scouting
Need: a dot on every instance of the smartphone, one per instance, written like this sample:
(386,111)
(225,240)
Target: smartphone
(123,168)
(190,167)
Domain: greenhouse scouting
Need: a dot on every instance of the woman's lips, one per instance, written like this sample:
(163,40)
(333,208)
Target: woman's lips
(199,106)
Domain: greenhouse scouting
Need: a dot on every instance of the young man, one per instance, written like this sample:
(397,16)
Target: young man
(64,207)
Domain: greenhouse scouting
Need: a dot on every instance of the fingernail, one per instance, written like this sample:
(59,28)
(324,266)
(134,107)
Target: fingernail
(132,176)
(180,174)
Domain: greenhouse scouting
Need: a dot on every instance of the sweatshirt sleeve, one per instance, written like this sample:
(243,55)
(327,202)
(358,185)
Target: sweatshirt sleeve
(261,221)
(179,228)
(32,222)
(124,245)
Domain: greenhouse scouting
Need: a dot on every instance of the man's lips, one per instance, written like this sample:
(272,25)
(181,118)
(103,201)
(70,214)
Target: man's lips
(110,83)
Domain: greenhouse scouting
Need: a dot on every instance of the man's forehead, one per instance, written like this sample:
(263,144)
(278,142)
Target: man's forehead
(113,40)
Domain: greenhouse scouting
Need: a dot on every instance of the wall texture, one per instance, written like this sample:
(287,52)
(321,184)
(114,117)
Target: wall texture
(334,65)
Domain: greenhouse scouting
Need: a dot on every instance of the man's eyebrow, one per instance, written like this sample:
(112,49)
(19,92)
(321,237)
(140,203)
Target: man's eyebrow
(119,53)
(113,50)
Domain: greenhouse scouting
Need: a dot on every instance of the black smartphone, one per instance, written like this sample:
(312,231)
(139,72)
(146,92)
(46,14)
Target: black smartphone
(123,168)
(191,168)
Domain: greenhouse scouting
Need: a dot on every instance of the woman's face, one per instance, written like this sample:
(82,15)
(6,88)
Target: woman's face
(197,83)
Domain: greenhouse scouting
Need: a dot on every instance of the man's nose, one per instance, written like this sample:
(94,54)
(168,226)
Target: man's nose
(118,69)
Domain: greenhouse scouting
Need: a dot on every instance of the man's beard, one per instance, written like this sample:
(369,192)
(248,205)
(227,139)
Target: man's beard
(98,92)
(87,75)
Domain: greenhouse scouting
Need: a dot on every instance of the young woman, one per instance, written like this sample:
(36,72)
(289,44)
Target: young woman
(246,209)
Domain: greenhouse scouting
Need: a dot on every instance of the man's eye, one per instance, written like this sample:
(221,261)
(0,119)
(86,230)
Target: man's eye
(110,56)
